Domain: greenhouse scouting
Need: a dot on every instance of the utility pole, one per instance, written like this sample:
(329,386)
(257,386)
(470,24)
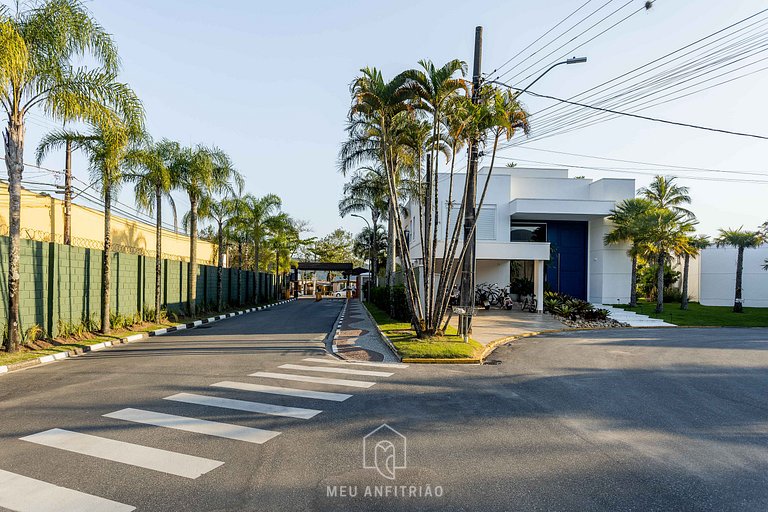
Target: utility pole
(468,265)
(68,194)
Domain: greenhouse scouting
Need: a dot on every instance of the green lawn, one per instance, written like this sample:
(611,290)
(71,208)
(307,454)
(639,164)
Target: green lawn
(403,337)
(720,316)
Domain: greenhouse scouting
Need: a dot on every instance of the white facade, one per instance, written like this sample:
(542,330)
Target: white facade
(712,279)
(571,210)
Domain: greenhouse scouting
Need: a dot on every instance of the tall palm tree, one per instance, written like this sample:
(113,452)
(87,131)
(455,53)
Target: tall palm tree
(282,235)
(38,44)
(152,185)
(740,239)
(378,107)
(692,247)
(221,211)
(259,215)
(434,87)
(663,192)
(627,218)
(200,171)
(367,190)
(110,151)
(665,232)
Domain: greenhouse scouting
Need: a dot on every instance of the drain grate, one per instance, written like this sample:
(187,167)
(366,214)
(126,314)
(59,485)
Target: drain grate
(492,361)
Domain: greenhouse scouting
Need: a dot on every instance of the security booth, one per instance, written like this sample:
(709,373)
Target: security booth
(345,269)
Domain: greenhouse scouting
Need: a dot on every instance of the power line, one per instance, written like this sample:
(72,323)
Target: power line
(544,35)
(638,116)
(640,172)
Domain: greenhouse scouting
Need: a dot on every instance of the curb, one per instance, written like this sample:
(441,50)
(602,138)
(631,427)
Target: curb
(60,356)
(384,337)
(336,330)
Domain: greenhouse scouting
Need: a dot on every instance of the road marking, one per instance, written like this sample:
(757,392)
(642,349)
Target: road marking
(277,390)
(242,405)
(210,428)
(354,363)
(24,494)
(347,371)
(164,461)
(316,380)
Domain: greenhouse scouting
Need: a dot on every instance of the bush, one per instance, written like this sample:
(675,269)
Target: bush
(563,305)
(380,298)
(673,295)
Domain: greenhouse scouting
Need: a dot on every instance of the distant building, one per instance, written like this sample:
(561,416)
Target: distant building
(712,280)
(543,225)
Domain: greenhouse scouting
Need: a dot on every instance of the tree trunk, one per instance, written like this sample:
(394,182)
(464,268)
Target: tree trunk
(14,162)
(391,256)
(686,266)
(660,284)
(391,247)
(239,273)
(68,194)
(737,306)
(277,274)
(220,271)
(192,269)
(106,261)
(159,252)
(633,283)
(256,267)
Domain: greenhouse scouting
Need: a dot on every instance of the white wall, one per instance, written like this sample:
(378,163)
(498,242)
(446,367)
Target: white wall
(712,280)
(493,271)
(610,269)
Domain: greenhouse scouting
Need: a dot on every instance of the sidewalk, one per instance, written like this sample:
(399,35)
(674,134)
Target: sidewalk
(494,324)
(358,338)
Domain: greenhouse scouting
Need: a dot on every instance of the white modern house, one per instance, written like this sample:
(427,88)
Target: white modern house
(712,280)
(543,225)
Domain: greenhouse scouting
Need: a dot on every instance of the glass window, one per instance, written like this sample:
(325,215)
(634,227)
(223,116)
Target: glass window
(527,232)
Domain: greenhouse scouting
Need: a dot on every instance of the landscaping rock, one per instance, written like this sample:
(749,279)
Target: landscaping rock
(593,324)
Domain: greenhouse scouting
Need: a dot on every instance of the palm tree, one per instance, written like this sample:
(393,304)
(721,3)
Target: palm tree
(282,236)
(200,171)
(740,239)
(665,232)
(38,44)
(627,218)
(259,215)
(111,150)
(222,212)
(367,190)
(151,188)
(692,247)
(665,193)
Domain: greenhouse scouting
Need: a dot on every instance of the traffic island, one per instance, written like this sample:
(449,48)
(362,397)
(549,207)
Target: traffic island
(447,349)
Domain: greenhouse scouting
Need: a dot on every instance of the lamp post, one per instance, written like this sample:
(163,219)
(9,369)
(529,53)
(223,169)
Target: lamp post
(370,252)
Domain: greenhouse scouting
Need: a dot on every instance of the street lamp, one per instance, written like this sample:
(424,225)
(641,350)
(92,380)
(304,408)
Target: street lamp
(572,60)
(370,253)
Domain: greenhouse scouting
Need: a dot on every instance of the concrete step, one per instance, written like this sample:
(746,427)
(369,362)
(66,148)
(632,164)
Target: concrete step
(633,318)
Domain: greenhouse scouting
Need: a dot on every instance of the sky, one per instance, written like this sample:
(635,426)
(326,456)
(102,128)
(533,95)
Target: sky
(268,82)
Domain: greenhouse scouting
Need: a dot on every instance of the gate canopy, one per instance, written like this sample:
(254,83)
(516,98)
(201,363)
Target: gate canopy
(327,267)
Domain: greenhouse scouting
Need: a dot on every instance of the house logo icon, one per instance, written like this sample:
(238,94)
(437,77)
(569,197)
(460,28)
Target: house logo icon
(384,449)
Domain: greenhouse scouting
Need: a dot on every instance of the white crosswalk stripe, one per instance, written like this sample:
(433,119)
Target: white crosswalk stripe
(242,405)
(164,461)
(346,371)
(211,428)
(315,380)
(24,494)
(328,360)
(279,390)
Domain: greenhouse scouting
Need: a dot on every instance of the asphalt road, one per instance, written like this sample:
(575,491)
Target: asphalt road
(611,420)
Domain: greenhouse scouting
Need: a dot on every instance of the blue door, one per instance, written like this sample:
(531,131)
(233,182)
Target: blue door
(567,267)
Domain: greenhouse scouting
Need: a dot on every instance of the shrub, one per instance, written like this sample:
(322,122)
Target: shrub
(380,298)
(673,295)
(32,334)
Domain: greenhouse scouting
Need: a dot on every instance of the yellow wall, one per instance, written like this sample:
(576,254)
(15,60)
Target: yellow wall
(42,218)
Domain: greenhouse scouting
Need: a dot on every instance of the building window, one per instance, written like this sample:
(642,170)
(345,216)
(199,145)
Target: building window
(486,223)
(452,221)
(527,232)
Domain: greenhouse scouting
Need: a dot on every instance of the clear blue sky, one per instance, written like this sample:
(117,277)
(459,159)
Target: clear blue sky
(268,83)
